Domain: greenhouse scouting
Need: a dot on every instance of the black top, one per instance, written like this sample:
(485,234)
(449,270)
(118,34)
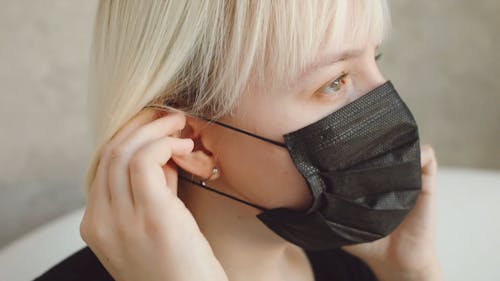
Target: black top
(331,265)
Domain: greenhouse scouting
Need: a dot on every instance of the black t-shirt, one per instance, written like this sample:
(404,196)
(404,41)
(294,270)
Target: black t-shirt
(331,265)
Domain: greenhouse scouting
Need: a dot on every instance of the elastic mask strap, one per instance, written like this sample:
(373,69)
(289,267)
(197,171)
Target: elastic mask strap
(230,127)
(245,132)
(222,193)
(219,123)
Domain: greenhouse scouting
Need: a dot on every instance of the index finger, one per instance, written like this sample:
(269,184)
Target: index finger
(100,178)
(142,117)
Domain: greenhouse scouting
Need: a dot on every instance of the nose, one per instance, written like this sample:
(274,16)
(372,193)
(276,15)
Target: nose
(369,77)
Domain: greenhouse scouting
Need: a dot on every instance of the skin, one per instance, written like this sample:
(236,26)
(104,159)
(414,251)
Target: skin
(145,225)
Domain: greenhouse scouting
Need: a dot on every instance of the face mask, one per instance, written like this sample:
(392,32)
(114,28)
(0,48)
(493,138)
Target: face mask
(362,166)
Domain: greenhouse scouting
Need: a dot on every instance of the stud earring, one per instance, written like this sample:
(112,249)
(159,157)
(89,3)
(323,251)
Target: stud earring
(215,173)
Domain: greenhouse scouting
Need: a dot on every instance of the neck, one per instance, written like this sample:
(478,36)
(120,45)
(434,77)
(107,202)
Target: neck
(235,234)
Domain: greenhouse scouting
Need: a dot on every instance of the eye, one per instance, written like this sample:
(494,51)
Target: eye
(336,85)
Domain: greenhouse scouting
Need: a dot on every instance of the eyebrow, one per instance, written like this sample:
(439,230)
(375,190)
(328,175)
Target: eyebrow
(331,59)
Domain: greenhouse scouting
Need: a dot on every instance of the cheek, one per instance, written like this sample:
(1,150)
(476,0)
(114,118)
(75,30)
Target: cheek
(263,174)
(286,186)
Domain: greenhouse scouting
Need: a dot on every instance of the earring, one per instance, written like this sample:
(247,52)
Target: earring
(215,173)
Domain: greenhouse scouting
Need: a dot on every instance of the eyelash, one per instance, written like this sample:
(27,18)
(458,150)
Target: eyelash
(339,80)
(338,83)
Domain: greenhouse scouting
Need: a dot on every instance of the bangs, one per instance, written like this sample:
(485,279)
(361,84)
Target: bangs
(298,30)
(201,56)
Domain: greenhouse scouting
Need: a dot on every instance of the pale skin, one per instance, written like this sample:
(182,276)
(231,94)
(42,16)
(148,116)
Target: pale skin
(144,224)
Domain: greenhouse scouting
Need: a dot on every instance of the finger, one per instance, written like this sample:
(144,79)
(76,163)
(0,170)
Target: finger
(428,159)
(421,219)
(100,179)
(149,185)
(429,168)
(119,178)
(171,174)
(138,120)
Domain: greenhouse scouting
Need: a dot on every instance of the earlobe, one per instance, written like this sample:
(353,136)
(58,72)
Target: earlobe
(214,175)
(197,162)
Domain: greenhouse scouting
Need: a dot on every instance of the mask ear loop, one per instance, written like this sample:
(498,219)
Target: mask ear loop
(246,132)
(202,184)
(166,107)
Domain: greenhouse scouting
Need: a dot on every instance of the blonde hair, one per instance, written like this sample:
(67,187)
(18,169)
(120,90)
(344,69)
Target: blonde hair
(200,56)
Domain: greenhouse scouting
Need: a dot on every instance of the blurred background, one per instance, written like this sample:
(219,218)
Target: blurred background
(443,56)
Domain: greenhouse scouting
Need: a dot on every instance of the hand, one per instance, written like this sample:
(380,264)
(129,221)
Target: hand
(408,253)
(134,222)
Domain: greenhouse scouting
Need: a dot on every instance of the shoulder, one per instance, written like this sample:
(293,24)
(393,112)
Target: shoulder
(81,265)
(337,264)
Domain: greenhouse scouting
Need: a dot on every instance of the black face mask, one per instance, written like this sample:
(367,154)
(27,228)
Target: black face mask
(362,166)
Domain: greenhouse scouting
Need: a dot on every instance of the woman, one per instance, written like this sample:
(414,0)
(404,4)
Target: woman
(251,140)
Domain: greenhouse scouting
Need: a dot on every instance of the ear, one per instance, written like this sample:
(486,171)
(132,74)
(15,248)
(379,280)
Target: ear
(201,160)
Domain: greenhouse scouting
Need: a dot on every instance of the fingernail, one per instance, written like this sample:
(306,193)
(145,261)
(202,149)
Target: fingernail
(188,142)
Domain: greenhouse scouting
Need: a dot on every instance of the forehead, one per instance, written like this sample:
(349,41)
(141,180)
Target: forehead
(355,25)
(305,36)
(332,54)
